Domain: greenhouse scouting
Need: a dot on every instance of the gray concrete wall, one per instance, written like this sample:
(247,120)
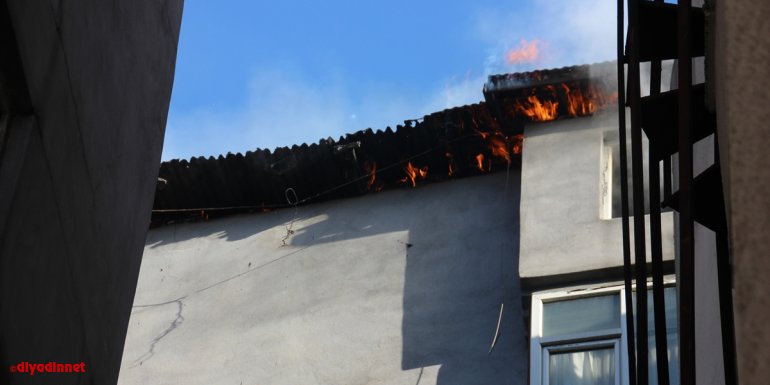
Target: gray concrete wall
(77,178)
(709,361)
(399,287)
(563,230)
(743,94)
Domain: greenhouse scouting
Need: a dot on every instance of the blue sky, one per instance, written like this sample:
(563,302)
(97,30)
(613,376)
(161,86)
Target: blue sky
(256,74)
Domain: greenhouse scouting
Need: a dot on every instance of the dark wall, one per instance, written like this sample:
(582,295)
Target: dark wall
(77,177)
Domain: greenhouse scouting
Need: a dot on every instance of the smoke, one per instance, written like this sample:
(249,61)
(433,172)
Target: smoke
(456,92)
(557,34)
(284,108)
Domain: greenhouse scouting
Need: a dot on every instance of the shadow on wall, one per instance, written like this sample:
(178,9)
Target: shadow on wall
(455,281)
(232,228)
(461,263)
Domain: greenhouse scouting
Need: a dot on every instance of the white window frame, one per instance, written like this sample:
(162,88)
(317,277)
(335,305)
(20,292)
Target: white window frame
(541,347)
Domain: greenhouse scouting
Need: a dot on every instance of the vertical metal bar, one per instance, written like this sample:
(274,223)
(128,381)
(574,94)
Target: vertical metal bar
(656,251)
(627,271)
(667,177)
(656,248)
(724,278)
(686,226)
(655,68)
(655,77)
(637,176)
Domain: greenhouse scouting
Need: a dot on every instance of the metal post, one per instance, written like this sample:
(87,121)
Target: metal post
(724,277)
(627,271)
(725,282)
(686,225)
(637,176)
(667,178)
(656,251)
(656,248)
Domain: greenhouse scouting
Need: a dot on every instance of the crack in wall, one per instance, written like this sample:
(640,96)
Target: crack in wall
(174,324)
(179,318)
(249,270)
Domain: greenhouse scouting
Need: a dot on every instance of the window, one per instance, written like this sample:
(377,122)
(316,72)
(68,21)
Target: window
(672,337)
(610,202)
(579,337)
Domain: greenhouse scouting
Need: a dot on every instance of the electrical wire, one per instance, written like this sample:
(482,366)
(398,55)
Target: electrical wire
(317,195)
(502,275)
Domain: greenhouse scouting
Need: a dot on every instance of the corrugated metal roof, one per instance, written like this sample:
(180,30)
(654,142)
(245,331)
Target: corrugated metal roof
(454,143)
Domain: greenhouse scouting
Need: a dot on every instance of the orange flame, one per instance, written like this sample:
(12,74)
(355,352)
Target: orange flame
(480,162)
(413,173)
(518,142)
(373,175)
(526,52)
(578,100)
(536,110)
(586,102)
(499,148)
(577,103)
(483,135)
(451,168)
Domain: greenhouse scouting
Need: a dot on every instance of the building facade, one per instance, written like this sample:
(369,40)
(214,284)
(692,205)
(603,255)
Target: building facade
(438,265)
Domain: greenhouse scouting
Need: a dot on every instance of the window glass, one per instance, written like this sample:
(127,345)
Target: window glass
(672,340)
(586,367)
(581,315)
